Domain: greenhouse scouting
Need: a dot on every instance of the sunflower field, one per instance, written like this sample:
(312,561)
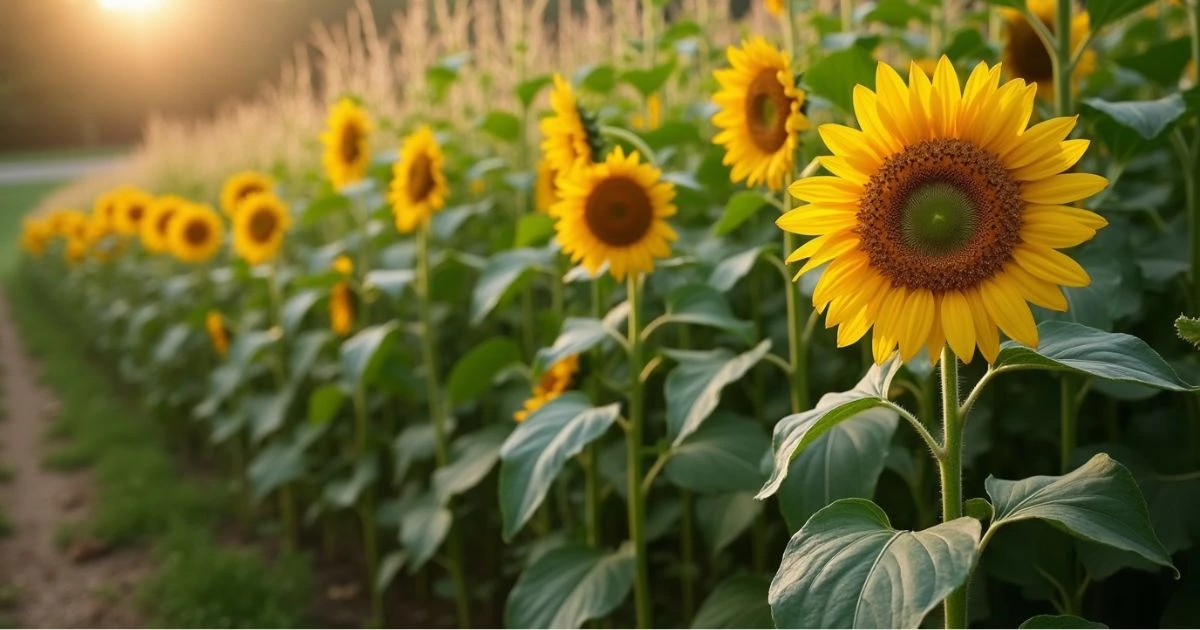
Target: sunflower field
(666,314)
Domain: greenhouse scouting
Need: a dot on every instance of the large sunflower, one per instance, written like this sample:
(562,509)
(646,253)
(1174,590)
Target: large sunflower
(760,117)
(944,214)
(259,226)
(155,228)
(615,212)
(131,207)
(569,133)
(553,382)
(346,150)
(1026,57)
(418,185)
(195,233)
(242,185)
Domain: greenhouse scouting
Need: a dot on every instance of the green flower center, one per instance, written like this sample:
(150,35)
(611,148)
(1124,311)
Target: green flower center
(938,219)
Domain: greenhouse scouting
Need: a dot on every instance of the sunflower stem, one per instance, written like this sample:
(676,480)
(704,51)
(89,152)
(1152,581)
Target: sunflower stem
(951,473)
(1062,58)
(632,138)
(366,510)
(633,442)
(591,463)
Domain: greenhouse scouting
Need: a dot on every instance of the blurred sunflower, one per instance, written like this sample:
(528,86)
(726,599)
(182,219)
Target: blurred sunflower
(75,251)
(218,332)
(106,206)
(615,212)
(195,233)
(131,209)
(258,227)
(760,114)
(571,137)
(545,192)
(346,150)
(343,265)
(944,216)
(653,116)
(553,382)
(341,308)
(1026,56)
(103,243)
(775,7)
(418,187)
(242,185)
(62,221)
(35,234)
(155,228)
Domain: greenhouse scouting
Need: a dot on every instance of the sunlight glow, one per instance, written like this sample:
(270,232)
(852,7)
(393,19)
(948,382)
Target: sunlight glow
(129,6)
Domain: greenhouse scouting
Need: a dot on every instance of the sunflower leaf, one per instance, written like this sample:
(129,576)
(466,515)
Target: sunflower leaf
(1103,12)
(741,206)
(693,388)
(834,76)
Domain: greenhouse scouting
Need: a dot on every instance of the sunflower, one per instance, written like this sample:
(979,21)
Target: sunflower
(242,185)
(615,212)
(35,235)
(131,207)
(155,228)
(343,265)
(218,332)
(943,217)
(775,7)
(570,135)
(75,251)
(1026,56)
(553,382)
(545,191)
(106,206)
(258,227)
(195,233)
(345,140)
(759,117)
(62,222)
(341,308)
(653,117)
(418,185)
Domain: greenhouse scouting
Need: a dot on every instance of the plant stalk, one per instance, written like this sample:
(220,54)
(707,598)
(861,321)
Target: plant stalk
(633,441)
(687,552)
(366,511)
(951,469)
(1062,58)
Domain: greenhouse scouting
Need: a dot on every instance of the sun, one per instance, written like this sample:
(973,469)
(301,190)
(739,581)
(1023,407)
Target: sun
(130,6)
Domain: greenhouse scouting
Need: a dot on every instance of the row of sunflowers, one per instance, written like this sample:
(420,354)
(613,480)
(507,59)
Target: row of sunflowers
(576,371)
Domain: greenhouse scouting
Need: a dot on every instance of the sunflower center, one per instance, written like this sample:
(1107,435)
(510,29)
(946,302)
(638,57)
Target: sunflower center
(618,211)
(164,220)
(1027,54)
(767,110)
(196,233)
(262,226)
(351,138)
(246,191)
(136,211)
(420,178)
(942,215)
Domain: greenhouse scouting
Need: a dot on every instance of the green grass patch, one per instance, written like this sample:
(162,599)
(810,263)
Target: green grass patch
(67,458)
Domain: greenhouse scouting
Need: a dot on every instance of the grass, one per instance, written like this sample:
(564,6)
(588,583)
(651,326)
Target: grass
(15,201)
(143,500)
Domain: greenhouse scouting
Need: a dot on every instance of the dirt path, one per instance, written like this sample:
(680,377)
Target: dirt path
(49,589)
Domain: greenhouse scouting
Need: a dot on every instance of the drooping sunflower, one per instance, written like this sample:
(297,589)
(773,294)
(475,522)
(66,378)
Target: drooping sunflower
(155,228)
(418,187)
(615,212)
(195,233)
(760,114)
(345,139)
(259,226)
(545,191)
(218,332)
(944,215)
(570,132)
(341,308)
(132,205)
(553,382)
(242,185)
(1026,57)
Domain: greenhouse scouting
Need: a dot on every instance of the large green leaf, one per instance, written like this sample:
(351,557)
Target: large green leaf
(738,602)
(649,81)
(472,376)
(834,76)
(724,455)
(392,282)
(1102,12)
(1058,622)
(579,334)
(796,432)
(843,463)
(1127,127)
(570,585)
(344,492)
(501,124)
(1077,348)
(502,272)
(324,402)
(733,268)
(296,307)
(723,517)
(414,444)
(1162,63)
(693,388)
(1099,502)
(740,207)
(535,452)
(363,353)
(472,457)
(704,305)
(847,568)
(269,412)
(423,528)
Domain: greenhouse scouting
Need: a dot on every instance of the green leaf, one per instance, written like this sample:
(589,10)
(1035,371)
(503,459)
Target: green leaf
(343,493)
(1072,347)
(1161,63)
(570,585)
(979,509)
(388,569)
(843,463)
(693,388)
(1099,502)
(324,402)
(600,79)
(536,451)
(296,307)
(472,376)
(363,353)
(503,125)
(740,207)
(423,528)
(1102,12)
(1128,127)
(534,229)
(328,203)
(501,272)
(1059,621)
(412,445)
(269,412)
(738,602)
(279,463)
(733,268)
(703,305)
(169,344)
(392,282)
(1188,329)
(304,354)
(529,89)
(847,568)
(967,43)
(724,455)
(472,457)
(724,517)
(896,13)
(647,82)
(579,334)
(796,432)
(834,76)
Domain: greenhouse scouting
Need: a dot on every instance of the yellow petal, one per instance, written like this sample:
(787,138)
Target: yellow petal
(814,219)
(882,348)
(914,322)
(957,324)
(1038,140)
(1064,188)
(1050,265)
(824,188)
(945,99)
(1053,163)
(840,167)
(853,330)
(1056,231)
(987,338)
(1009,310)
(837,243)
(867,113)
(1083,217)
(1040,292)
(852,145)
